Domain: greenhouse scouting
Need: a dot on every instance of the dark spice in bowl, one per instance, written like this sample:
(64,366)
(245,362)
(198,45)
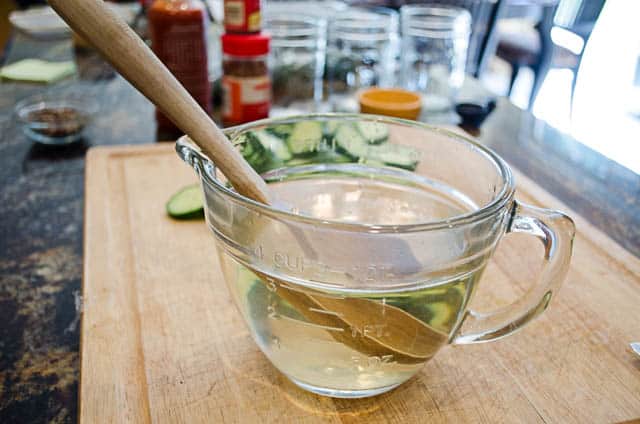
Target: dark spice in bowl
(56,122)
(55,118)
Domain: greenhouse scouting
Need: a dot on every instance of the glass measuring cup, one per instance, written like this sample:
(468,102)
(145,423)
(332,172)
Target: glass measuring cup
(369,268)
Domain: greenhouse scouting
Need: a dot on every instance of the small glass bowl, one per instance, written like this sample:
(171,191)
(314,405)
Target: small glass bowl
(54,121)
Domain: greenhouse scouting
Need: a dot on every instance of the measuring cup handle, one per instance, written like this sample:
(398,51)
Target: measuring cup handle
(192,155)
(556,231)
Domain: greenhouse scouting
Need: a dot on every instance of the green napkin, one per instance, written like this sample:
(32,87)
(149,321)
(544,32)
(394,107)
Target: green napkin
(36,70)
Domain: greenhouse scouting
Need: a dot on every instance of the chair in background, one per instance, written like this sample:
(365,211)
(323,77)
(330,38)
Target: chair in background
(534,47)
(526,40)
(573,22)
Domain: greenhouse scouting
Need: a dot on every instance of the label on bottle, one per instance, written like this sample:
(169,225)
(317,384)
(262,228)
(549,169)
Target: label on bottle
(234,13)
(253,21)
(245,99)
(242,15)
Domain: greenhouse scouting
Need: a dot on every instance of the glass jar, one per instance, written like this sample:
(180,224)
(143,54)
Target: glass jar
(324,9)
(246,83)
(361,52)
(434,51)
(298,50)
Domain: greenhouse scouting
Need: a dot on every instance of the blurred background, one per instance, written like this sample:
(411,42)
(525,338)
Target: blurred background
(573,63)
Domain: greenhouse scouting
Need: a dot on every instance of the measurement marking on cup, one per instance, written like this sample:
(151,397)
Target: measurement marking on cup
(324,327)
(271,312)
(324,311)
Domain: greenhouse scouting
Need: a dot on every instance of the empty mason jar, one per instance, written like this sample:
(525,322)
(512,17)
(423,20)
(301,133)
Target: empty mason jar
(434,51)
(324,9)
(361,52)
(298,51)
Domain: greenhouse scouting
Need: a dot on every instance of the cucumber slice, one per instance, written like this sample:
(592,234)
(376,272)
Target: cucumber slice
(321,157)
(305,137)
(333,157)
(273,144)
(441,315)
(353,143)
(394,155)
(248,146)
(373,132)
(372,162)
(252,150)
(300,161)
(186,203)
(330,156)
(330,128)
(281,130)
(350,141)
(261,157)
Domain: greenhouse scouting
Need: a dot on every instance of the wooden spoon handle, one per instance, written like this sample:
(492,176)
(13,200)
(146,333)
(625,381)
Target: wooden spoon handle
(109,34)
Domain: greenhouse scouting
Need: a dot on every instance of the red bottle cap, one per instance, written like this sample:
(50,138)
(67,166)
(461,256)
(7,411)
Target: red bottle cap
(245,45)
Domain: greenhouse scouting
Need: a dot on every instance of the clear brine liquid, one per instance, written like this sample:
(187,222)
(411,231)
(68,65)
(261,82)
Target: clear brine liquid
(369,198)
(353,340)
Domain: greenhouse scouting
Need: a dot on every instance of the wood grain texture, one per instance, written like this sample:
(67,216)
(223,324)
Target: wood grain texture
(163,342)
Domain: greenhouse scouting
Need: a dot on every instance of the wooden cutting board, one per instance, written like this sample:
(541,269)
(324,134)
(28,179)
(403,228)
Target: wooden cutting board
(162,341)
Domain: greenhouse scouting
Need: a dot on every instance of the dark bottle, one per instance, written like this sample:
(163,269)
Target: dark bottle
(178,37)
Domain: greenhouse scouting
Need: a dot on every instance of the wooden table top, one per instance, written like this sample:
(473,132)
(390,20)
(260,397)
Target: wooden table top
(41,190)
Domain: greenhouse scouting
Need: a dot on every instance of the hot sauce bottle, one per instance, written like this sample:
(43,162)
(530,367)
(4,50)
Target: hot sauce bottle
(178,38)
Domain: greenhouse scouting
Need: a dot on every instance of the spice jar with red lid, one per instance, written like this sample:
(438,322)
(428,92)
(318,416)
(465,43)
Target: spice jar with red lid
(245,82)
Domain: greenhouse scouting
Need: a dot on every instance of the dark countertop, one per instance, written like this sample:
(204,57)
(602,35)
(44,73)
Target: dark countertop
(41,193)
